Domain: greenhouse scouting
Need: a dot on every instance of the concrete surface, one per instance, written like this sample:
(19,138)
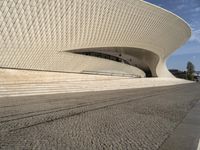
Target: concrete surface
(22,82)
(135,119)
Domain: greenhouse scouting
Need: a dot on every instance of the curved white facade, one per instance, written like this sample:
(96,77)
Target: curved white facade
(42,35)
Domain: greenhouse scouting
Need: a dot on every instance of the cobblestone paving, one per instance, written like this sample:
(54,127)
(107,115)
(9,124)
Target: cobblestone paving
(125,119)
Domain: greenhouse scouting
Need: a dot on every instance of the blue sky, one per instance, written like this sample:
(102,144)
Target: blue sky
(189,10)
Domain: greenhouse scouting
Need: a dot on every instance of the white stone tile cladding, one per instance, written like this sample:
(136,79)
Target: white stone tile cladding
(34,34)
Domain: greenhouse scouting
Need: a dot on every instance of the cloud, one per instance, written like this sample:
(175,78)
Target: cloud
(197,9)
(194,57)
(179,7)
(195,36)
(161,5)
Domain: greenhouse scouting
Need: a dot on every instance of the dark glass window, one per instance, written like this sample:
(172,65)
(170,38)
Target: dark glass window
(105,56)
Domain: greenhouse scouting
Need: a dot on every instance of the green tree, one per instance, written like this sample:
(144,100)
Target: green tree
(190,71)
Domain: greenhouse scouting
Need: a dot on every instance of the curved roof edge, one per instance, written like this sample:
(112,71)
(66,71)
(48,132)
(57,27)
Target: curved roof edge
(187,25)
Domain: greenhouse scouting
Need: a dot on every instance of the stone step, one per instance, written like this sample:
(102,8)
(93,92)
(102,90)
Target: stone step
(20,83)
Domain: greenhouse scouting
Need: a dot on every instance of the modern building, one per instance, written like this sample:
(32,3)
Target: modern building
(112,36)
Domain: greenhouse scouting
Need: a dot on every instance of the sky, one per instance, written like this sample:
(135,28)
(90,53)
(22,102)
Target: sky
(189,10)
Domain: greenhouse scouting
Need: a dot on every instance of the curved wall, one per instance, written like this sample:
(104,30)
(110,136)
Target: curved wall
(140,58)
(34,34)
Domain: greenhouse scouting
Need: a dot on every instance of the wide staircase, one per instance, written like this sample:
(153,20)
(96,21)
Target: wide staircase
(21,82)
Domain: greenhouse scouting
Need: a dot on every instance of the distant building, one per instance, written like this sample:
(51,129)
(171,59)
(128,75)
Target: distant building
(197,75)
(179,74)
(183,74)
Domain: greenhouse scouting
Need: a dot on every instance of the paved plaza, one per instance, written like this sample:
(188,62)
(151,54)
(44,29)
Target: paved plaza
(26,82)
(136,119)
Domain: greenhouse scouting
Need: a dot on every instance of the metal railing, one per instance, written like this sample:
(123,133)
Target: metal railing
(110,73)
